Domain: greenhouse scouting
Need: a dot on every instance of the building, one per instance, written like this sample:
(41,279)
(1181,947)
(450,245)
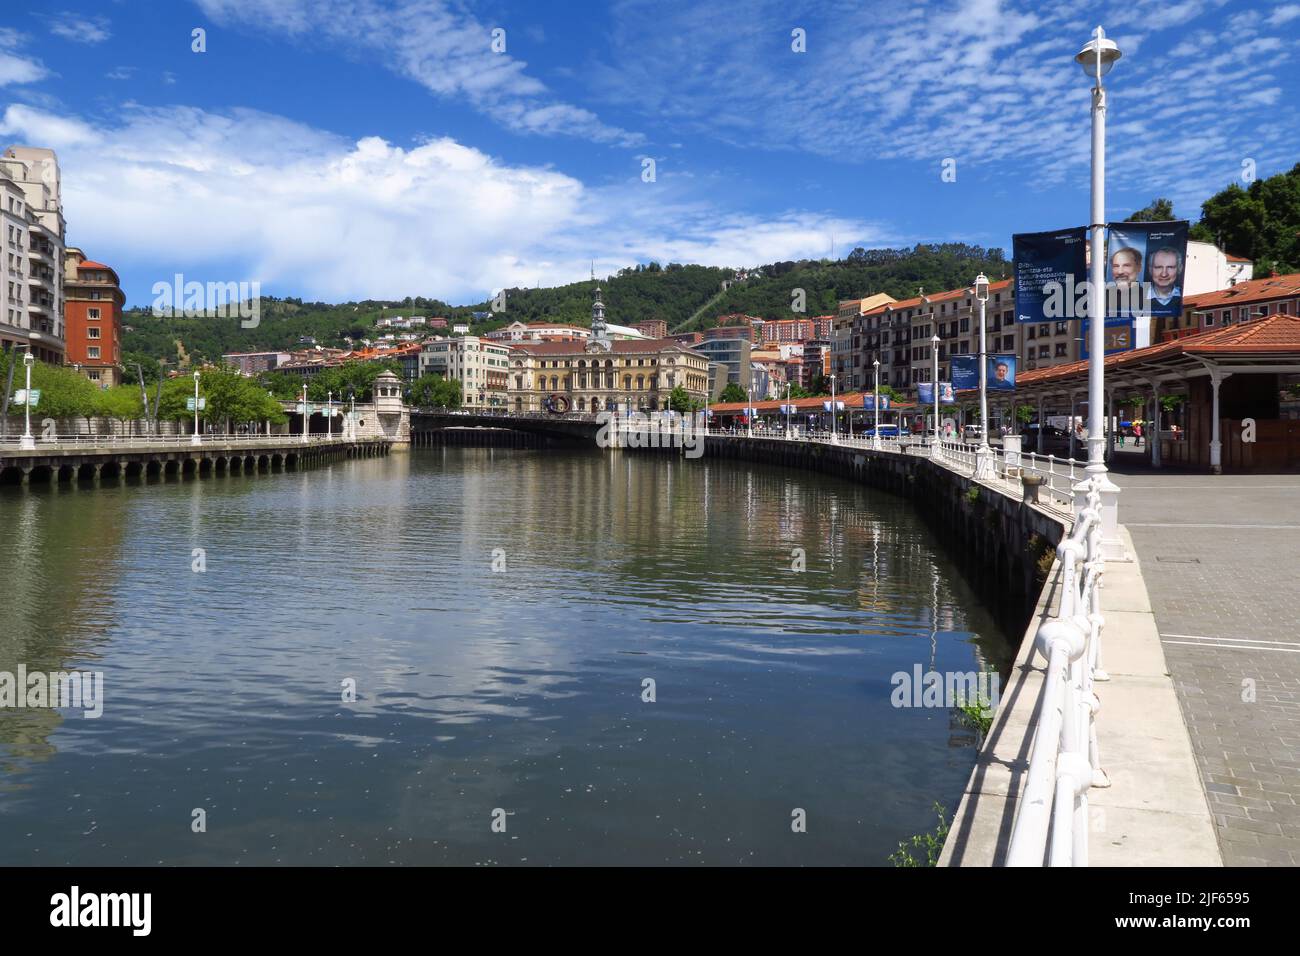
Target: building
(652,328)
(733,352)
(603,373)
(689,339)
(539,332)
(847,337)
(736,331)
(92,309)
(254,363)
(31,267)
(479,364)
(1247,301)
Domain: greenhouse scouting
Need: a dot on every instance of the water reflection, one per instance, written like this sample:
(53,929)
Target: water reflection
(479,689)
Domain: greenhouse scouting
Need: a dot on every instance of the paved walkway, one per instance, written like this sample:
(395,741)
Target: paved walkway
(1221,559)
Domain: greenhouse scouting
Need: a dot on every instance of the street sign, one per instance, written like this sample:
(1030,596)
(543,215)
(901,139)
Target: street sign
(20,397)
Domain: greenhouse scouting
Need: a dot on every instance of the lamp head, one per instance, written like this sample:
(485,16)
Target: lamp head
(28,359)
(1098,56)
(196,375)
(982,287)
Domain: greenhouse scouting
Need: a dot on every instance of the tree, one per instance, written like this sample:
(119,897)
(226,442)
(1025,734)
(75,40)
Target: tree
(1260,222)
(1159,210)
(680,401)
(434,391)
(732,393)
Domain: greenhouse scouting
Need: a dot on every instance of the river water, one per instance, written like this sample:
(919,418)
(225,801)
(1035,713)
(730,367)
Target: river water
(504,617)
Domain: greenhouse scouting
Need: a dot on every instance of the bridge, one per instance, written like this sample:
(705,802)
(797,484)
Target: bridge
(86,457)
(569,426)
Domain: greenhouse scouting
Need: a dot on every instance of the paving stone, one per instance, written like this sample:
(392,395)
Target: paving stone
(1243,588)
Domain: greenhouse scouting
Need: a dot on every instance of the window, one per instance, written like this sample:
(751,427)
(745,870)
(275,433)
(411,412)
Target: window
(1044,351)
(1031,333)
(965,325)
(92,333)
(1062,328)
(1060,350)
(92,352)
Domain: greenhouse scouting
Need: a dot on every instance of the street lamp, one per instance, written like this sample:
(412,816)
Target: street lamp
(788,408)
(934,352)
(28,443)
(329,413)
(304,412)
(835,435)
(984,455)
(875,438)
(195,439)
(749,412)
(1096,59)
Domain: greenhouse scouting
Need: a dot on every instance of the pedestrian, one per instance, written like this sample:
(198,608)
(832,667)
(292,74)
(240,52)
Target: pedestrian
(1137,434)
(1119,434)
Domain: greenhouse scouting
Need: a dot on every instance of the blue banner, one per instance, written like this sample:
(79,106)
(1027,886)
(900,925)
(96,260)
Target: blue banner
(965,371)
(868,404)
(925,393)
(1119,336)
(1146,263)
(1002,373)
(1048,266)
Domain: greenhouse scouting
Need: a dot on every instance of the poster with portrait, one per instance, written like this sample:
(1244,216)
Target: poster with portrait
(925,393)
(1002,372)
(1048,268)
(1146,264)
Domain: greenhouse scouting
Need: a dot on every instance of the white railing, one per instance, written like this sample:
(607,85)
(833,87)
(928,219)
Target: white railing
(64,442)
(1051,824)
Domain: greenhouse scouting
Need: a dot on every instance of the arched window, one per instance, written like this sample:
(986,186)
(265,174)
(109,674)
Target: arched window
(582,404)
(627,383)
(640,383)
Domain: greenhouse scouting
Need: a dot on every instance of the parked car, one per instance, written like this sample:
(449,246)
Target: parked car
(1056,441)
(886,431)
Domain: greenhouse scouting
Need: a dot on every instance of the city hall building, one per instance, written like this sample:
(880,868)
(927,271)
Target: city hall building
(603,373)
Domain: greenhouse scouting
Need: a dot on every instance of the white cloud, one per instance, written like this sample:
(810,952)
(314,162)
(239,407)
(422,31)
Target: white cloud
(1284,14)
(120,73)
(14,67)
(316,215)
(80,28)
(435,43)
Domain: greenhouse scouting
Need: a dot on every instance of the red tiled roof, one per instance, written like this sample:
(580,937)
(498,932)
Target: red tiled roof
(1232,258)
(1276,334)
(814,403)
(90,264)
(1254,290)
(579,349)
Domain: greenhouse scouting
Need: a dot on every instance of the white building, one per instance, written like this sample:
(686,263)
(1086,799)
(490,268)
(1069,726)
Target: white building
(31,260)
(479,365)
(1210,269)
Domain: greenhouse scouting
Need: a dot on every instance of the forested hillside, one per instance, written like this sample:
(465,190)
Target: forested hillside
(674,293)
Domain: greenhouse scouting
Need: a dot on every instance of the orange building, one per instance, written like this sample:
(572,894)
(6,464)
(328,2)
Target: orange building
(92,312)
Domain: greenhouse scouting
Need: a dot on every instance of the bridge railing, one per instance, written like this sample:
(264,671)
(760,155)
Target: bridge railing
(170,441)
(1051,823)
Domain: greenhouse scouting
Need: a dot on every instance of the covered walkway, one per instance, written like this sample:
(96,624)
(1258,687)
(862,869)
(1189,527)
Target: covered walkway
(1239,388)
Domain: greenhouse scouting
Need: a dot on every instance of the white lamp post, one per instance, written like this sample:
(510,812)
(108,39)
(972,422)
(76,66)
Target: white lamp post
(835,435)
(329,413)
(28,443)
(195,439)
(984,455)
(304,413)
(1096,58)
(749,412)
(875,438)
(934,352)
(788,409)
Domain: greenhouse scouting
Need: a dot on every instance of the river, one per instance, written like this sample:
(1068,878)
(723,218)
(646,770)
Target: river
(559,657)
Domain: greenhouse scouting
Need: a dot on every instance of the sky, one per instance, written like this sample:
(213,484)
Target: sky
(347,149)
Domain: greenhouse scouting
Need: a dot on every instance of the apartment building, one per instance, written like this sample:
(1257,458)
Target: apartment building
(93,302)
(31,260)
(480,365)
(848,335)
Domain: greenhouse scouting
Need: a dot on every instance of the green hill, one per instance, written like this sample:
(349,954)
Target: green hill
(685,296)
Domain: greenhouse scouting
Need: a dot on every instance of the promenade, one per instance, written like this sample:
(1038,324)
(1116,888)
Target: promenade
(1220,556)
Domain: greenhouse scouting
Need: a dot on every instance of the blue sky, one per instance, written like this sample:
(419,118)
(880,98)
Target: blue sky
(339,149)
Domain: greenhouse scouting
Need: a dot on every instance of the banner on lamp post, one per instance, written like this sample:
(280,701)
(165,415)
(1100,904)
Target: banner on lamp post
(1050,269)
(868,404)
(1146,263)
(925,393)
